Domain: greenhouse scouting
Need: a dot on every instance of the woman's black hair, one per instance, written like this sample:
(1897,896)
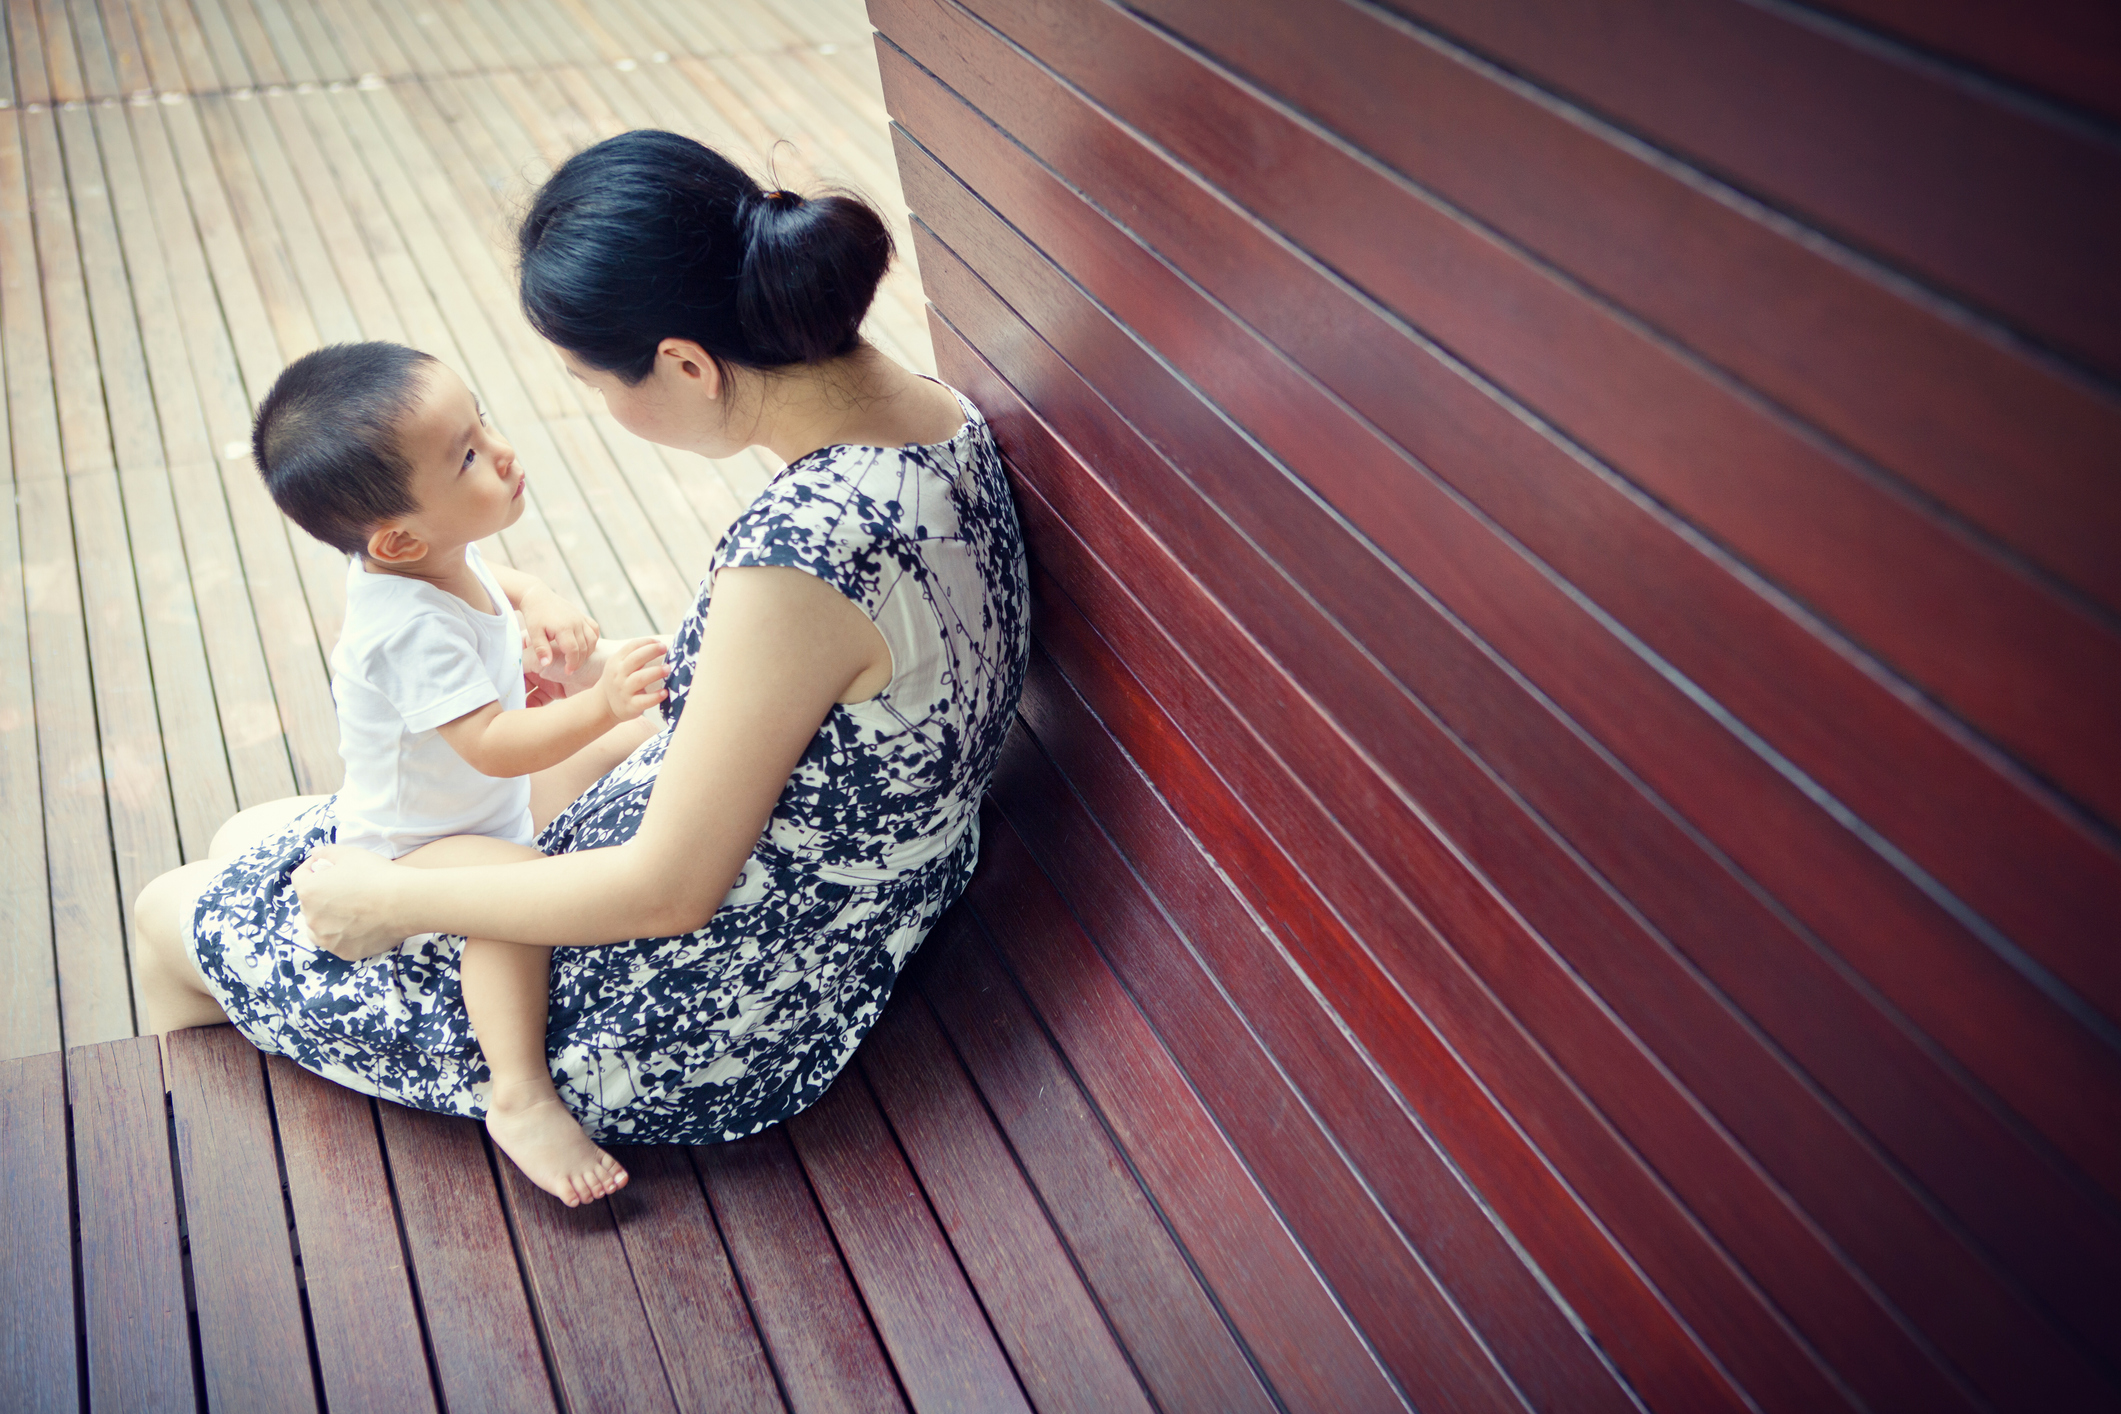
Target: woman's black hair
(649,235)
(326,440)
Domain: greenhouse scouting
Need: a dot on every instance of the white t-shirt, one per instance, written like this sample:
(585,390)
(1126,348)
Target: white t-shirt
(412,658)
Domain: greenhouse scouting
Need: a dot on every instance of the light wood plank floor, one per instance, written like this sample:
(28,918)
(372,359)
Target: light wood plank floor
(192,192)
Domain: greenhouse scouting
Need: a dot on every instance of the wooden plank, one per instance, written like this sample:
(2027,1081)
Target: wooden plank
(1980,423)
(598,1337)
(1057,1339)
(1957,184)
(81,540)
(1441,1302)
(122,48)
(2069,52)
(1268,1289)
(1576,928)
(179,56)
(39,1344)
(143,46)
(232,359)
(926,1314)
(94,52)
(477,1318)
(25,37)
(355,1279)
(815,1329)
(231,69)
(132,1274)
(95,1001)
(29,978)
(702,1327)
(1856,870)
(165,769)
(60,59)
(252,1343)
(267,68)
(1187,1355)
(1646,410)
(1777,674)
(187,502)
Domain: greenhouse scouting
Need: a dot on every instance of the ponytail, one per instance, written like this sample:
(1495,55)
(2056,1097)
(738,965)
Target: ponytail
(810,270)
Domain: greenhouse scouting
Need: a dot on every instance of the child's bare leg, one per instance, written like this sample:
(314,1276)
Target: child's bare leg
(505,995)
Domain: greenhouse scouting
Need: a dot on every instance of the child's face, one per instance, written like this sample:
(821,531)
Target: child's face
(464,475)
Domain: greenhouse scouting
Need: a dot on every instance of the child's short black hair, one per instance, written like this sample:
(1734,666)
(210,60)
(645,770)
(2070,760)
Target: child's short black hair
(326,440)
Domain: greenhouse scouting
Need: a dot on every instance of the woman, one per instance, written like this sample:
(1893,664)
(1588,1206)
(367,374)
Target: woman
(729,899)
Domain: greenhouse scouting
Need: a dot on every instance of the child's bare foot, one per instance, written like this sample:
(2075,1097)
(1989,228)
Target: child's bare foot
(546,1142)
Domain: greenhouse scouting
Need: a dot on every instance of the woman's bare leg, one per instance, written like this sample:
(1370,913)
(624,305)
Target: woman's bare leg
(506,997)
(176,995)
(170,983)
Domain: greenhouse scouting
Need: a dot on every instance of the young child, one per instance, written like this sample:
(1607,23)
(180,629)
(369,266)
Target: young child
(380,451)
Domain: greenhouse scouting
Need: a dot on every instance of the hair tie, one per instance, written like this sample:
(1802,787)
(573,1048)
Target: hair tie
(779,195)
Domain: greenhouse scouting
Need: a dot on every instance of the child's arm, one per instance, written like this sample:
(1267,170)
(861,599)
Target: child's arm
(551,625)
(494,742)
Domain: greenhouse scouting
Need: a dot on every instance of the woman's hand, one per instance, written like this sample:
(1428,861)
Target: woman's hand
(345,894)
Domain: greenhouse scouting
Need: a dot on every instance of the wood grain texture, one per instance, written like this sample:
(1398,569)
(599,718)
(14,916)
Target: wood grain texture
(1867,749)
(816,1330)
(252,1344)
(597,1336)
(370,1354)
(1466,921)
(1057,1339)
(1770,991)
(1264,666)
(703,1329)
(2004,206)
(1974,420)
(1186,1354)
(2068,50)
(132,1274)
(1273,1296)
(39,1341)
(930,1322)
(480,1332)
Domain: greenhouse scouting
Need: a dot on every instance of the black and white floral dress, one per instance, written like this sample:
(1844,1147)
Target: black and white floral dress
(718,1033)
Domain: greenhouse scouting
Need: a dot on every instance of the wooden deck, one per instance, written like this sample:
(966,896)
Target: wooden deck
(192,192)
(254,1238)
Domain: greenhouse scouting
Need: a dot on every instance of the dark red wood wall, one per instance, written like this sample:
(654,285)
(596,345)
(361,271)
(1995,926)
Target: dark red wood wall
(1566,802)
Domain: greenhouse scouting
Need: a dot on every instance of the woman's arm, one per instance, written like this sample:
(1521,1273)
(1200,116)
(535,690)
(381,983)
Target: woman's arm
(778,649)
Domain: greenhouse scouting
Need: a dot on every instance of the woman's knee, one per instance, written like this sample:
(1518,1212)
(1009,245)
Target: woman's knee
(162,913)
(246,827)
(175,993)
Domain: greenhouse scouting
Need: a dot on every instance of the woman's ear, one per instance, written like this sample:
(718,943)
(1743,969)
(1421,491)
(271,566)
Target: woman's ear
(394,545)
(687,360)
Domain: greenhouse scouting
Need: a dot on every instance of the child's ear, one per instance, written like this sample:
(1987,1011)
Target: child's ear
(394,545)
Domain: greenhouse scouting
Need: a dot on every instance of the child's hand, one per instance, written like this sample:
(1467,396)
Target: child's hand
(633,678)
(554,629)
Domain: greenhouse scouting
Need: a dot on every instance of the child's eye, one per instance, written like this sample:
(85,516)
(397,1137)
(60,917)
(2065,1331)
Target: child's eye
(471,454)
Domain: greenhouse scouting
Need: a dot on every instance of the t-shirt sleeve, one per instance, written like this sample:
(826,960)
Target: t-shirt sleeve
(823,527)
(430,671)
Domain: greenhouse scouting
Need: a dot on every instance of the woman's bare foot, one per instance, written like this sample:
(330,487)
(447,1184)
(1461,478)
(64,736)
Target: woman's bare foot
(547,1143)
